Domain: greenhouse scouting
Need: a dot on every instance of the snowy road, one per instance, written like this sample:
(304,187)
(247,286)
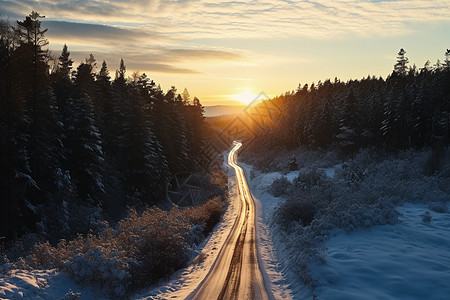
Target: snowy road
(236,273)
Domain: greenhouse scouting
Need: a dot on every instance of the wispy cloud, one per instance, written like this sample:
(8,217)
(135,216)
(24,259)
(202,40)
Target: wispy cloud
(136,44)
(97,31)
(268,18)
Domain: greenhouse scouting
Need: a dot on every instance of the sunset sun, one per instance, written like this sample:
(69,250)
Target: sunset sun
(246,96)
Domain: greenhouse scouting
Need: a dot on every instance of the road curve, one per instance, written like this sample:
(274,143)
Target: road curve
(236,274)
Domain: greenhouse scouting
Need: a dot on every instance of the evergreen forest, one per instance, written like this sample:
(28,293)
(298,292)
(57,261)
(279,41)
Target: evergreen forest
(79,145)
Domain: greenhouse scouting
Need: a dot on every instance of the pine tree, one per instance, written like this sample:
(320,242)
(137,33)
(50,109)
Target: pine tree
(84,77)
(40,100)
(84,148)
(447,60)
(438,66)
(109,117)
(62,84)
(120,73)
(349,133)
(56,213)
(326,126)
(64,65)
(103,94)
(145,165)
(174,137)
(186,96)
(426,67)
(195,126)
(45,129)
(401,67)
(420,121)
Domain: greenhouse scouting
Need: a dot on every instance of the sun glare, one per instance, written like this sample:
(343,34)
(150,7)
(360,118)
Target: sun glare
(246,97)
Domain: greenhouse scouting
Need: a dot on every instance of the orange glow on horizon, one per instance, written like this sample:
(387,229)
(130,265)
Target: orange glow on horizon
(246,97)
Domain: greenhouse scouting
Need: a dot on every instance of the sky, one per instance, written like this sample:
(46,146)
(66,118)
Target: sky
(229,51)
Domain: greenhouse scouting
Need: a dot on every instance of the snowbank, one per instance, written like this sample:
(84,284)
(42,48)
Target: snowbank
(282,282)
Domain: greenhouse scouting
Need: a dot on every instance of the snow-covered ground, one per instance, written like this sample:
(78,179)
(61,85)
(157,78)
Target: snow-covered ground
(273,254)
(44,284)
(410,260)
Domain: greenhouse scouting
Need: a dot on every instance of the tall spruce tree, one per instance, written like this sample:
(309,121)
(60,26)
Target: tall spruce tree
(45,144)
(401,67)
(83,140)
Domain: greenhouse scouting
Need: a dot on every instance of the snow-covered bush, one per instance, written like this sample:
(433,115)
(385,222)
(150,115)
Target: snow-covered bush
(102,266)
(4,264)
(302,212)
(71,295)
(21,247)
(142,249)
(426,217)
(439,207)
(280,187)
(309,178)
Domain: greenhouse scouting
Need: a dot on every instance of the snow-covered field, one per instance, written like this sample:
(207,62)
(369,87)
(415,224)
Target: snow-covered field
(410,260)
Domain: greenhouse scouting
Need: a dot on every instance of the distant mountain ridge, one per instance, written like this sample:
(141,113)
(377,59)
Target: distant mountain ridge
(218,110)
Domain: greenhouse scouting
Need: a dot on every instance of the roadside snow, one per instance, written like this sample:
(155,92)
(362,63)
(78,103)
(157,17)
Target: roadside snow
(43,284)
(410,260)
(282,284)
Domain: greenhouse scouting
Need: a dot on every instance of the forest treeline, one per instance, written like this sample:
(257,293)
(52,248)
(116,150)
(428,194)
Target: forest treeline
(75,142)
(408,109)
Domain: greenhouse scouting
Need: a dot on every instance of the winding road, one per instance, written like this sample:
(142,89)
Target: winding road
(236,274)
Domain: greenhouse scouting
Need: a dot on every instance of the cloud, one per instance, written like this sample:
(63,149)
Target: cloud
(151,51)
(171,32)
(161,68)
(244,19)
(200,54)
(96,31)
